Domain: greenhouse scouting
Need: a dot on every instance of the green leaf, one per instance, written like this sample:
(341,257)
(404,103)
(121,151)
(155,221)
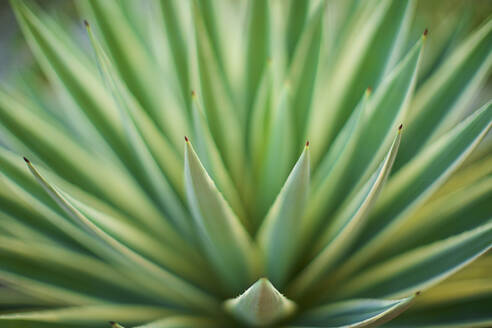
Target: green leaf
(278,157)
(354,313)
(443,98)
(258,48)
(83,316)
(181,322)
(147,273)
(212,161)
(421,268)
(260,305)
(368,48)
(177,43)
(64,64)
(346,225)
(35,261)
(414,183)
(162,190)
(137,68)
(260,122)
(303,70)
(328,176)
(278,234)
(386,109)
(443,217)
(220,110)
(225,241)
(296,21)
(464,313)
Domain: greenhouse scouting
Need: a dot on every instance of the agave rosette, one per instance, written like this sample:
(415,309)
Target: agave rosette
(116,218)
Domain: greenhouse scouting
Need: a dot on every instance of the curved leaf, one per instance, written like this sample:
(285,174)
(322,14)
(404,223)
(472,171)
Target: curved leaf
(354,313)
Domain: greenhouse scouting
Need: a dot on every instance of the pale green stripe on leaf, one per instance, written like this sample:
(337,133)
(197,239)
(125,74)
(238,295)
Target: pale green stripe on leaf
(278,236)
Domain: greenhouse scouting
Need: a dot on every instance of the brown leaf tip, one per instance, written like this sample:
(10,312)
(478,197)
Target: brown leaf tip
(26,160)
(425,32)
(400,127)
(369,90)
(307,143)
(186,139)
(86,23)
(417,293)
(193,93)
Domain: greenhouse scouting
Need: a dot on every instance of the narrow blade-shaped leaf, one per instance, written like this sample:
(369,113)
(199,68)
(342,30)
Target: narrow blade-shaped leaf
(278,235)
(347,224)
(354,313)
(226,242)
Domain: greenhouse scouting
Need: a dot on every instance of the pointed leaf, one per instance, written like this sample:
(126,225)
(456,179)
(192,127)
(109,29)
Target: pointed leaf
(278,234)
(225,241)
(347,224)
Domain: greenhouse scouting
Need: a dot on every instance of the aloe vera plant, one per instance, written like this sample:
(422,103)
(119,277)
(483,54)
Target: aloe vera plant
(168,182)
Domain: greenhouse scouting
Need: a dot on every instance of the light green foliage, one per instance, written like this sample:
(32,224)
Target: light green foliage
(112,219)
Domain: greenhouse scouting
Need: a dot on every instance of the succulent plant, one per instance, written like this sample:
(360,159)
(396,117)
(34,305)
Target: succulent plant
(244,223)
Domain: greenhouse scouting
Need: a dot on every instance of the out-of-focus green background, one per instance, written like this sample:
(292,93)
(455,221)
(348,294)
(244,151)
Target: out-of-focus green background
(439,16)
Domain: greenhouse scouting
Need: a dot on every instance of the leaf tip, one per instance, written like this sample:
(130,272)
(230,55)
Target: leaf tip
(193,94)
(186,139)
(418,293)
(86,23)
(307,144)
(426,31)
(400,127)
(112,323)
(26,160)
(368,91)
